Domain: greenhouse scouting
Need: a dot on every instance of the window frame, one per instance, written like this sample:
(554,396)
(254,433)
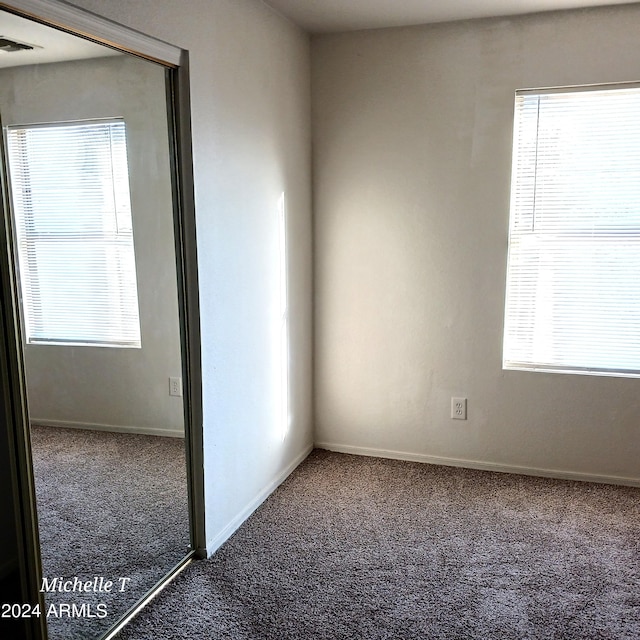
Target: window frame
(531,364)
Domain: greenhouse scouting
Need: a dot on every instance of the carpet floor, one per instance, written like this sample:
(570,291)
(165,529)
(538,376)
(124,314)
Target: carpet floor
(362,548)
(109,505)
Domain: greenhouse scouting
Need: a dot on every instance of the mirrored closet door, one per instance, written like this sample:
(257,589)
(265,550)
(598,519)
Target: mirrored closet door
(91,198)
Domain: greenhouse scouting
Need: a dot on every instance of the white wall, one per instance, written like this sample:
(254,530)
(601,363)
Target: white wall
(251,141)
(412,160)
(119,389)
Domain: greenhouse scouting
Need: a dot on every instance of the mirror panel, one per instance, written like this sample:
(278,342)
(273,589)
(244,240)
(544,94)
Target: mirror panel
(108,429)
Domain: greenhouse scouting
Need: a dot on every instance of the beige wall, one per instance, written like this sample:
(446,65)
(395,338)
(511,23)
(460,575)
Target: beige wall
(412,160)
(250,110)
(117,389)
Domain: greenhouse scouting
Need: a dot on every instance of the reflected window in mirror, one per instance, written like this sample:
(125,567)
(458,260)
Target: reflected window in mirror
(70,190)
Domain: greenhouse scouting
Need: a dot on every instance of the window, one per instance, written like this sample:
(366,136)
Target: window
(573,284)
(72,210)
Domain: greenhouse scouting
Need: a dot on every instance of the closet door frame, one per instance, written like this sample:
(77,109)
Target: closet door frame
(12,379)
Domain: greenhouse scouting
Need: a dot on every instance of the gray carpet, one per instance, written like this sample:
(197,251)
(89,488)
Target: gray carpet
(365,548)
(112,505)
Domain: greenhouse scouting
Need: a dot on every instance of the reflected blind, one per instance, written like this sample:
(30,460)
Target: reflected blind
(72,210)
(573,285)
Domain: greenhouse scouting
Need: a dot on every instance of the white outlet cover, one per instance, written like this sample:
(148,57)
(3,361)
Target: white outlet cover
(175,387)
(459,408)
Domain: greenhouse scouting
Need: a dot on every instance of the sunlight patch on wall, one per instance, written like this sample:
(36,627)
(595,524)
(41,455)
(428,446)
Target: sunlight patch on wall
(284,414)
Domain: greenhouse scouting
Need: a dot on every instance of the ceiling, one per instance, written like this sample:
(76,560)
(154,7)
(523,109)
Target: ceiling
(324,16)
(315,16)
(50,45)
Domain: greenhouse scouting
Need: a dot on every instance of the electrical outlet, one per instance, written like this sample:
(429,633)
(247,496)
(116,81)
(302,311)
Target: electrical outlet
(175,387)
(459,408)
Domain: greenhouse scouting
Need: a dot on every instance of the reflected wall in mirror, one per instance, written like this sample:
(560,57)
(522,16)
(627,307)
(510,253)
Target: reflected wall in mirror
(100,318)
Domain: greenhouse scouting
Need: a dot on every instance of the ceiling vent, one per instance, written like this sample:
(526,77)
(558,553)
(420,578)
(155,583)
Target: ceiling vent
(11,46)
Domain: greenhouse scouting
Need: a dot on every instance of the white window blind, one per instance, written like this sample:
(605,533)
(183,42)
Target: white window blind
(71,204)
(573,285)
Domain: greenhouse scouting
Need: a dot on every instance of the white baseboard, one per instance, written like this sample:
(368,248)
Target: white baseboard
(475,464)
(91,426)
(221,537)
